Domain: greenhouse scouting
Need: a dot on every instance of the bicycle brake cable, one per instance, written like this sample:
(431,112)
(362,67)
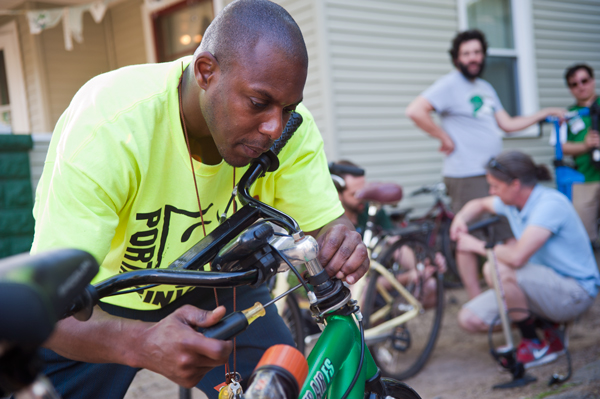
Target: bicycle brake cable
(362,355)
(292,267)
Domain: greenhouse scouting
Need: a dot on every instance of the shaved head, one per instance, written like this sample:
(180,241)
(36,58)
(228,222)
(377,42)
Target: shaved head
(237,30)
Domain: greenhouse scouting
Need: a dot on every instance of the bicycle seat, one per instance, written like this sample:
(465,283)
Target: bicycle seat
(383,193)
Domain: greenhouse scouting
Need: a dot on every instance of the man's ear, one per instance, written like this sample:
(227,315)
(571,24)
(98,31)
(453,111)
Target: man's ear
(206,69)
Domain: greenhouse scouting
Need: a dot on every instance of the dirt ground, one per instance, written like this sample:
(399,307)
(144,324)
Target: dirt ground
(462,368)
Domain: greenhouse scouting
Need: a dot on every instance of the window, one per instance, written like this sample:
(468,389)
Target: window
(178,29)
(510,64)
(5,123)
(14,115)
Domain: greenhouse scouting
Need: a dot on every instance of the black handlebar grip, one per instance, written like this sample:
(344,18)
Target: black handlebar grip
(337,169)
(594,115)
(229,326)
(290,128)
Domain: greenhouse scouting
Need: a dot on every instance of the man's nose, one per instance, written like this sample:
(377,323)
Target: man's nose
(273,125)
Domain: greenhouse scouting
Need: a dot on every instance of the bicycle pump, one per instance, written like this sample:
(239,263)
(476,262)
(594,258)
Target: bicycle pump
(506,356)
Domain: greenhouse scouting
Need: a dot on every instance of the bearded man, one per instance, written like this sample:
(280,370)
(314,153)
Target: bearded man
(472,117)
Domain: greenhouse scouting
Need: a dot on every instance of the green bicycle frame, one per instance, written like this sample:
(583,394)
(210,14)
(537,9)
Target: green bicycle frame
(333,362)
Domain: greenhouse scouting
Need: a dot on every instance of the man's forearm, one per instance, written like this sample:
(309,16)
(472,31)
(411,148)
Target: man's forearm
(471,210)
(102,339)
(574,148)
(517,123)
(509,255)
(426,123)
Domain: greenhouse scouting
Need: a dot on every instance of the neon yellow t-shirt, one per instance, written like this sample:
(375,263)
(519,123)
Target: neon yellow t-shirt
(118,183)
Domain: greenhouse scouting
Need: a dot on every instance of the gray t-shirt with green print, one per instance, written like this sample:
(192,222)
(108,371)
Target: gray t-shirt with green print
(467,111)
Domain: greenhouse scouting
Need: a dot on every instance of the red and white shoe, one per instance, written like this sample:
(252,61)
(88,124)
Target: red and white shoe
(556,336)
(533,353)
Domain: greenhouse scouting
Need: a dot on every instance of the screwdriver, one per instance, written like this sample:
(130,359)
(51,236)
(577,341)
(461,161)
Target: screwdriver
(236,322)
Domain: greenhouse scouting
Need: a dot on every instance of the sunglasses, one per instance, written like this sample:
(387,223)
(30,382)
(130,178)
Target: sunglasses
(582,82)
(494,164)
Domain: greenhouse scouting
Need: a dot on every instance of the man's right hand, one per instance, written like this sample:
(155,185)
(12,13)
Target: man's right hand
(592,139)
(458,227)
(173,347)
(447,146)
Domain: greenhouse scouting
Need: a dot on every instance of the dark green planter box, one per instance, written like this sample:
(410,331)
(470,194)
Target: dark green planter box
(16,197)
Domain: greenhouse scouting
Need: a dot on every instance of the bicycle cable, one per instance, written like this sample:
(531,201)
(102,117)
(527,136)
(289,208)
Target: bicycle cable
(362,355)
(133,290)
(292,267)
(287,224)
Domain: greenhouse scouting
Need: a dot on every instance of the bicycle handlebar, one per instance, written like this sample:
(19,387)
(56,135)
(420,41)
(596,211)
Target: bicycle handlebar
(568,115)
(483,223)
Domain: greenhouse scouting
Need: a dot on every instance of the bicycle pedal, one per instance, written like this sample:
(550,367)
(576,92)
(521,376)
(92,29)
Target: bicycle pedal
(401,339)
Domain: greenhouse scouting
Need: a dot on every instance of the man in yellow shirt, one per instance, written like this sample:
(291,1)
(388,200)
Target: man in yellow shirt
(120,183)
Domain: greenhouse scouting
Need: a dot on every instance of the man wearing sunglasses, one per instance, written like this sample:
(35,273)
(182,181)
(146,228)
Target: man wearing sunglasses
(581,140)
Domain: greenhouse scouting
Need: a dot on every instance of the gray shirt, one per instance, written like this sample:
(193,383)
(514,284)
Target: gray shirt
(467,111)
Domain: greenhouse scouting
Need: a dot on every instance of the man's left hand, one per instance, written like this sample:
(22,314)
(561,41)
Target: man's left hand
(341,250)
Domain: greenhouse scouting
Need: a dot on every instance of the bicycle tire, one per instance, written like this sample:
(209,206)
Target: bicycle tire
(405,350)
(292,317)
(394,389)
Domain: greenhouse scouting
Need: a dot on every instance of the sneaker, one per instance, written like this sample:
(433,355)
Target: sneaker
(533,353)
(556,336)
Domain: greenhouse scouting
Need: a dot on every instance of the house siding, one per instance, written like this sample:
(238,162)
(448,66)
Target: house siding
(306,15)
(565,33)
(126,21)
(383,55)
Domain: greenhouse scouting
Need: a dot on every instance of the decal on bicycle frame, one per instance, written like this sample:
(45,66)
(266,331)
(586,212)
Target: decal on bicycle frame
(320,381)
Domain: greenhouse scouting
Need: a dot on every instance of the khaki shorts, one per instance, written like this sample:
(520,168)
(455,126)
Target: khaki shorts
(586,200)
(549,295)
(464,189)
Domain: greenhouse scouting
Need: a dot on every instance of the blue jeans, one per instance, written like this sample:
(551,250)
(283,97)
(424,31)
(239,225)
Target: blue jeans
(78,380)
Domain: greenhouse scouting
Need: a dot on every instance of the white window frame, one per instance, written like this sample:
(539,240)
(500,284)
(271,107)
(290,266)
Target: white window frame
(9,43)
(524,53)
(151,6)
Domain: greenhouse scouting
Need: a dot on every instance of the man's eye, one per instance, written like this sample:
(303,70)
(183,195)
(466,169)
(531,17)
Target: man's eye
(289,110)
(258,105)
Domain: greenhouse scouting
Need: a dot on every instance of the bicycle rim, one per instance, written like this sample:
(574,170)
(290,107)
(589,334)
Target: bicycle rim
(292,316)
(402,352)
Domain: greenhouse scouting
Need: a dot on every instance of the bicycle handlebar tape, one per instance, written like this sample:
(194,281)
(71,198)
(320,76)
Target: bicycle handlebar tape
(279,374)
(290,128)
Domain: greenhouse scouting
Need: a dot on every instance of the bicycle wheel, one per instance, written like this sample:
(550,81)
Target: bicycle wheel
(292,316)
(394,389)
(403,351)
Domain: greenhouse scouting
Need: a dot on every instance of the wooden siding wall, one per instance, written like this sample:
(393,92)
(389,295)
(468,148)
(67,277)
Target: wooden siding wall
(128,34)
(305,13)
(566,33)
(383,54)
(53,75)
(66,71)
